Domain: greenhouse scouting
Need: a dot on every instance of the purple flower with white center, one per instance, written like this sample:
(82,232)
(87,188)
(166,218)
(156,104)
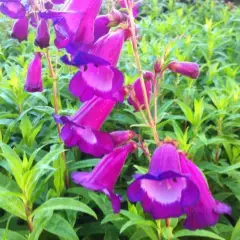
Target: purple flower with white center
(104,176)
(164,191)
(188,69)
(83,128)
(137,101)
(12,9)
(34,75)
(207,210)
(20,29)
(98,75)
(43,36)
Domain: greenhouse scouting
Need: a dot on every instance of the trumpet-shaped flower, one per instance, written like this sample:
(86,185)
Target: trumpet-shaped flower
(43,36)
(34,75)
(104,176)
(20,29)
(164,191)
(83,128)
(207,210)
(98,75)
(13,9)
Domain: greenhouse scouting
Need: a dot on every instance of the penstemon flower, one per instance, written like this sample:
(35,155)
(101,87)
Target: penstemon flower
(104,176)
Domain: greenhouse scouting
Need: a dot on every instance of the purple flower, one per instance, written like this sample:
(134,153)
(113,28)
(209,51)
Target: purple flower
(83,128)
(20,29)
(96,77)
(48,5)
(188,69)
(43,37)
(34,75)
(79,20)
(164,191)
(104,176)
(207,210)
(137,100)
(13,9)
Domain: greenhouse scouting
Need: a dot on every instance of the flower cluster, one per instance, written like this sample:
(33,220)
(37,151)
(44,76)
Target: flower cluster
(173,185)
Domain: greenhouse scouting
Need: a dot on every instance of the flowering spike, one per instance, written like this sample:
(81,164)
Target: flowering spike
(43,37)
(164,191)
(20,29)
(207,210)
(34,75)
(188,69)
(104,176)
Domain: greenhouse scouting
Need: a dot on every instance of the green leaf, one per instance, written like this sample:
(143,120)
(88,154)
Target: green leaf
(14,162)
(39,223)
(10,235)
(198,233)
(60,227)
(186,110)
(236,231)
(64,203)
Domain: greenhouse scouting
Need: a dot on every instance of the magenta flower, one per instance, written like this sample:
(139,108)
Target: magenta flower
(98,75)
(188,69)
(101,26)
(207,210)
(104,176)
(83,128)
(20,29)
(43,36)
(34,75)
(137,101)
(58,1)
(13,9)
(78,21)
(164,191)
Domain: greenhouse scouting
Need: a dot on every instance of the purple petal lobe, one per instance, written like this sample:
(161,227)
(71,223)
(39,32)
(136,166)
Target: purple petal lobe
(13,9)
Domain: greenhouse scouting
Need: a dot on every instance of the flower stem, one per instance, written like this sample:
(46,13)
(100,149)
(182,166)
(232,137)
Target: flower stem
(29,218)
(56,108)
(159,229)
(129,5)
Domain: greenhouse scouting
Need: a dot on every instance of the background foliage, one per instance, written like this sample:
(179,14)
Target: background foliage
(203,115)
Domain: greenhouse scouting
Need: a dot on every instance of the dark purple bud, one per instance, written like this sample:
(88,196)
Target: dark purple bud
(148,76)
(188,69)
(121,137)
(116,17)
(43,37)
(158,65)
(48,5)
(34,75)
(13,9)
(20,29)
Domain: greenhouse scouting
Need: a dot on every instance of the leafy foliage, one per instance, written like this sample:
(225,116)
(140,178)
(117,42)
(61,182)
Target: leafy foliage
(202,115)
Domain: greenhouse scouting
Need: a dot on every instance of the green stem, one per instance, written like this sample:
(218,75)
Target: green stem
(56,109)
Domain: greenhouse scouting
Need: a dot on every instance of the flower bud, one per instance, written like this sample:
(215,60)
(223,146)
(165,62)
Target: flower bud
(34,75)
(188,69)
(43,37)
(158,65)
(121,137)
